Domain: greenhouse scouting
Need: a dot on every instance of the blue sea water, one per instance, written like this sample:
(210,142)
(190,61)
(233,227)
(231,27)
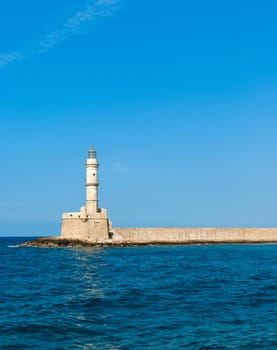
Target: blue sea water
(155,297)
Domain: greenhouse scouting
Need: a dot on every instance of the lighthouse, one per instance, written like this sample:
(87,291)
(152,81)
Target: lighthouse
(91,222)
(92,182)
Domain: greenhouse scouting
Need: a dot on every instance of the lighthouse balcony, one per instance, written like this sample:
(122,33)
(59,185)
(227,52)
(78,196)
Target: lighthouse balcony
(101,213)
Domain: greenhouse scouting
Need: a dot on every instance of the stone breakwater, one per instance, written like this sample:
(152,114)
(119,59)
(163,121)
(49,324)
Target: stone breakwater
(174,236)
(195,235)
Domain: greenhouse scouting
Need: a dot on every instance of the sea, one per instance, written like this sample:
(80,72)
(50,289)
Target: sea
(151,297)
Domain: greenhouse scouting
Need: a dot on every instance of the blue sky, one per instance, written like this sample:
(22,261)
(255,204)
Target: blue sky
(178,98)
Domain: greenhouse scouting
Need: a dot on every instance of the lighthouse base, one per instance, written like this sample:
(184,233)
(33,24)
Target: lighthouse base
(86,226)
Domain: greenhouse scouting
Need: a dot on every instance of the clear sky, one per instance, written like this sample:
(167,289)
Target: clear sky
(178,97)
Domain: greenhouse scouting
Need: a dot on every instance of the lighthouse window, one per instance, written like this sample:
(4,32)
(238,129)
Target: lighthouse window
(93,174)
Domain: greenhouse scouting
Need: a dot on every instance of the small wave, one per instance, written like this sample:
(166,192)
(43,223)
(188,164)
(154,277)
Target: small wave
(13,246)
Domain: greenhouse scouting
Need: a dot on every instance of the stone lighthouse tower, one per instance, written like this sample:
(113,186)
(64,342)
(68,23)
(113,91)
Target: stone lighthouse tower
(91,223)
(92,182)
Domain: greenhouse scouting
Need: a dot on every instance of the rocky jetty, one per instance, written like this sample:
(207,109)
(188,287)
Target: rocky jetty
(57,242)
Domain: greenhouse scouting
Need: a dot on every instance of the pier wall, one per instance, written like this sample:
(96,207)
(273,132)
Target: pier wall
(194,235)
